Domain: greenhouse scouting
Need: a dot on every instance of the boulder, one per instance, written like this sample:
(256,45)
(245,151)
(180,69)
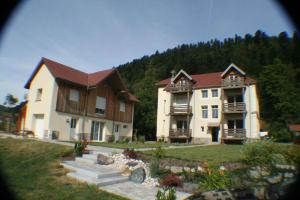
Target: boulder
(138,175)
(104,160)
(176,169)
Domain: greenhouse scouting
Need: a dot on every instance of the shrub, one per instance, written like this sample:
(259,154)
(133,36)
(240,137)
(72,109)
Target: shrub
(166,194)
(214,178)
(80,147)
(171,180)
(263,153)
(154,168)
(292,154)
(130,153)
(159,152)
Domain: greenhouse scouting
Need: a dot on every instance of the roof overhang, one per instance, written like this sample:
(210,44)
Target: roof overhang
(184,73)
(233,66)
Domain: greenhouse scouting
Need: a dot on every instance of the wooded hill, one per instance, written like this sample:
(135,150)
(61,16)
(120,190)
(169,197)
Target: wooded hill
(272,60)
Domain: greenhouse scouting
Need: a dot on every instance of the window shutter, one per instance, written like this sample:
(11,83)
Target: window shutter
(101,103)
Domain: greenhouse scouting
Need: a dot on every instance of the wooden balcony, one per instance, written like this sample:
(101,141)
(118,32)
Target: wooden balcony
(239,134)
(237,107)
(181,110)
(180,133)
(237,83)
(180,88)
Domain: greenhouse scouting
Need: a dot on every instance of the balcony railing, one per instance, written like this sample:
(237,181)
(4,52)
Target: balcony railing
(235,133)
(180,110)
(180,133)
(237,107)
(180,88)
(228,83)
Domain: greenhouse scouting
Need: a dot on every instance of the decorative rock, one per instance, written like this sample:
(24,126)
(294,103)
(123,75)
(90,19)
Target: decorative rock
(199,168)
(193,170)
(176,169)
(138,175)
(104,160)
(275,179)
(288,175)
(132,164)
(187,169)
(222,168)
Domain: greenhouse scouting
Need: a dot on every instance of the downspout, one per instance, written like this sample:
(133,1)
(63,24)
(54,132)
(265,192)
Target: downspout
(85,110)
(250,112)
(113,119)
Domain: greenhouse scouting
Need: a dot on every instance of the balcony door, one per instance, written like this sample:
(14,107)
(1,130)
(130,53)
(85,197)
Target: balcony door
(97,131)
(181,125)
(235,124)
(235,98)
(180,100)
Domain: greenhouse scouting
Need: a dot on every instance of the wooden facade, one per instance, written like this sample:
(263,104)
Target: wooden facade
(87,101)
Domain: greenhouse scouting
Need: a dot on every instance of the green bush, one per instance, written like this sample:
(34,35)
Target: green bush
(154,168)
(80,147)
(261,153)
(166,194)
(214,178)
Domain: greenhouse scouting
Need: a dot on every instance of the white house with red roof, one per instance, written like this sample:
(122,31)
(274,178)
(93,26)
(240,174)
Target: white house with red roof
(205,108)
(67,103)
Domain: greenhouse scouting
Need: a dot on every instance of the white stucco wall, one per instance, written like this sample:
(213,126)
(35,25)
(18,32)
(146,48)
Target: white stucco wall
(43,79)
(163,109)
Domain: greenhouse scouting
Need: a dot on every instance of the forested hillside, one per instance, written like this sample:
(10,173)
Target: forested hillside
(273,61)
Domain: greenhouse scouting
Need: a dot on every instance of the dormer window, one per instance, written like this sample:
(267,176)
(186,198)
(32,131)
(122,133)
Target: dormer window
(39,94)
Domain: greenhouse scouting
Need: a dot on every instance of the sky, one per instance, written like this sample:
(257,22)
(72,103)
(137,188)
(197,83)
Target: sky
(94,35)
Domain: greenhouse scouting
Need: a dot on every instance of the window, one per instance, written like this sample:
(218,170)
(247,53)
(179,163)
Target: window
(204,112)
(214,92)
(122,106)
(39,94)
(74,95)
(73,123)
(214,111)
(100,105)
(181,124)
(235,124)
(164,106)
(204,94)
(202,128)
(124,126)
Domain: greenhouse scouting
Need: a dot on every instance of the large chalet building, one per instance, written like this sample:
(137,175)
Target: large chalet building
(69,103)
(204,108)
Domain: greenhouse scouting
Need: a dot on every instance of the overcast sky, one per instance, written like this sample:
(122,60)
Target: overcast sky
(94,35)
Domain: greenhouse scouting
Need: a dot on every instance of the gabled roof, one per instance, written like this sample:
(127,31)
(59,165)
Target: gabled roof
(64,72)
(204,80)
(184,73)
(234,67)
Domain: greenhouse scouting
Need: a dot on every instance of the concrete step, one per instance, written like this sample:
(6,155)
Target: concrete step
(99,181)
(90,156)
(86,160)
(91,170)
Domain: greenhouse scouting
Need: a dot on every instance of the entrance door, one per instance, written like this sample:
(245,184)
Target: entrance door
(214,134)
(117,133)
(39,126)
(97,131)
(73,125)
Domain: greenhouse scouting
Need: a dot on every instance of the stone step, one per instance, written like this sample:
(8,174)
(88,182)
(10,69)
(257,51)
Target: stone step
(86,160)
(99,181)
(91,170)
(90,156)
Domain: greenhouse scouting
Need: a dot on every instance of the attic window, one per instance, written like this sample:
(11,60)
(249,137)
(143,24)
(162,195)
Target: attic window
(39,94)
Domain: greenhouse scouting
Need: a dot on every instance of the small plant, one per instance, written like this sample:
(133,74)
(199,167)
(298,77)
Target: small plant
(141,138)
(80,147)
(166,194)
(130,153)
(159,152)
(154,168)
(171,180)
(213,178)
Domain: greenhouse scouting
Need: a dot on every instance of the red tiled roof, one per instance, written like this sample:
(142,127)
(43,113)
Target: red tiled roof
(67,73)
(294,127)
(204,80)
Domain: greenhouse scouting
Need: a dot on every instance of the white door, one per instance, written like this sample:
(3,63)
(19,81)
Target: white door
(73,125)
(117,133)
(97,131)
(39,126)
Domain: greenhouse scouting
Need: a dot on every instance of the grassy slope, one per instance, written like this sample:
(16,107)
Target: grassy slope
(213,154)
(32,171)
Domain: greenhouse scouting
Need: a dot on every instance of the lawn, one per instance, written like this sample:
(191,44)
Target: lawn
(213,154)
(31,170)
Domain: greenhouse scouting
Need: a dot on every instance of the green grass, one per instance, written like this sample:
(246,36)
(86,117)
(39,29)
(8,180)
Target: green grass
(213,154)
(31,170)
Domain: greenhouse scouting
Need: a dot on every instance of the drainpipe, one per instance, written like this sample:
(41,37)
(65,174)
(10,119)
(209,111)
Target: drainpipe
(85,109)
(250,107)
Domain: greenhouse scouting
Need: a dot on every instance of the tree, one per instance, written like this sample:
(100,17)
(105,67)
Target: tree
(10,100)
(280,104)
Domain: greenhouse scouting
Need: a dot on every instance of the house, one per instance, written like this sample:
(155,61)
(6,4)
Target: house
(204,108)
(67,103)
